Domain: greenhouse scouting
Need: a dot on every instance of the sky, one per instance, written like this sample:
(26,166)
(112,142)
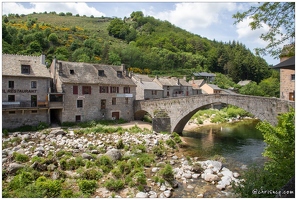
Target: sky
(212,20)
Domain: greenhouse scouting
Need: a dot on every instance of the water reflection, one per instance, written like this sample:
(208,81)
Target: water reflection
(237,142)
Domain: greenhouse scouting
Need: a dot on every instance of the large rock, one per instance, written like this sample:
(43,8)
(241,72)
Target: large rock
(214,165)
(141,195)
(211,177)
(58,132)
(86,156)
(114,154)
(14,167)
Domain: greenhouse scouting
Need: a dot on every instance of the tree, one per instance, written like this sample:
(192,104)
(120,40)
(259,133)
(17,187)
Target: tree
(279,16)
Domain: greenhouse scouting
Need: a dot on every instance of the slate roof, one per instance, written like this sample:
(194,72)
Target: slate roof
(88,73)
(173,81)
(142,77)
(204,74)
(287,64)
(150,86)
(215,87)
(11,66)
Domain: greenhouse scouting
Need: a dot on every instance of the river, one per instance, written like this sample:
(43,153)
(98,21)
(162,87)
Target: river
(239,143)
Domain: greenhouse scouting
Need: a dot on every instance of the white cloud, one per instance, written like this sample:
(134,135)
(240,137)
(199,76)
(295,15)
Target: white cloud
(74,8)
(191,16)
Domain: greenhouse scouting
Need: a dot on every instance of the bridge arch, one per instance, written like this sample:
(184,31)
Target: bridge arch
(181,109)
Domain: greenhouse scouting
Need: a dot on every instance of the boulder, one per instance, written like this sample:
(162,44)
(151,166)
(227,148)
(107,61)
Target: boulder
(86,156)
(14,167)
(114,154)
(167,193)
(153,194)
(211,177)
(195,176)
(141,195)
(155,169)
(58,132)
(187,175)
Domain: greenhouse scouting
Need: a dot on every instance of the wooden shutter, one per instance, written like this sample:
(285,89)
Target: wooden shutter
(75,89)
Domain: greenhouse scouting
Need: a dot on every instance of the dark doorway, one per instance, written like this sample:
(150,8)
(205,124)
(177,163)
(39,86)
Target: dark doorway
(291,96)
(56,115)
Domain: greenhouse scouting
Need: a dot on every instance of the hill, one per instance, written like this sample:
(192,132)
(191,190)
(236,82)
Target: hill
(143,43)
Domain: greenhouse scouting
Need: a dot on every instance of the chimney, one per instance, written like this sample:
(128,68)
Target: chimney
(42,59)
(178,83)
(185,78)
(193,78)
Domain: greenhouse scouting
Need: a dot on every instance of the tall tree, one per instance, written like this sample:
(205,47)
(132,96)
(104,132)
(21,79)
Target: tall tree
(279,16)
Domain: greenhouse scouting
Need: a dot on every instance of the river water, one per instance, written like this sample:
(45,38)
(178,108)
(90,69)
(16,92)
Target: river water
(239,143)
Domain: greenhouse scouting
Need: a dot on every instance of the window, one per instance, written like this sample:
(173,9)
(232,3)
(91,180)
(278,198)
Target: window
(103,89)
(103,104)
(33,84)
(77,118)
(71,71)
(154,92)
(86,89)
(11,98)
(126,100)
(34,111)
(126,89)
(10,84)
(11,112)
(25,69)
(79,103)
(292,77)
(114,101)
(114,89)
(75,89)
(119,74)
(100,72)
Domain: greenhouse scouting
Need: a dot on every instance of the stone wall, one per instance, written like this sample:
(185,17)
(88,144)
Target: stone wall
(91,109)
(23,117)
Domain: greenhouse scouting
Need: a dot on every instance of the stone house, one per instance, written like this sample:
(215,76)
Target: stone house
(208,77)
(92,91)
(146,89)
(210,89)
(196,85)
(287,77)
(25,86)
(174,87)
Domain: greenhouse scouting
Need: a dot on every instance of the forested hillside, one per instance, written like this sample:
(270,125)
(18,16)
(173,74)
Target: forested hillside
(144,43)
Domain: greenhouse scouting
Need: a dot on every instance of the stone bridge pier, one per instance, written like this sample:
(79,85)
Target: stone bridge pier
(172,114)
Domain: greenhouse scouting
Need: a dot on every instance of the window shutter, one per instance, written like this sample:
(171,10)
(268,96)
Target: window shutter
(75,89)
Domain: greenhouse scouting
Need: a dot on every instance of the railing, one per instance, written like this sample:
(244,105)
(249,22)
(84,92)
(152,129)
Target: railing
(25,104)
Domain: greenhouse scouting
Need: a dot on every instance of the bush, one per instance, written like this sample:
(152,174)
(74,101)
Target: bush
(51,188)
(167,173)
(42,125)
(5,132)
(170,143)
(21,180)
(20,157)
(120,144)
(87,186)
(114,184)
(176,137)
(92,174)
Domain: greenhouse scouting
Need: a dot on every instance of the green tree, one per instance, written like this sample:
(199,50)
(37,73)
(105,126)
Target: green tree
(53,38)
(279,16)
(252,89)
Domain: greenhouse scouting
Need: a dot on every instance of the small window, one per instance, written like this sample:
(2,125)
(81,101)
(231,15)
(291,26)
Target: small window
(25,69)
(33,84)
(10,84)
(103,89)
(86,89)
(126,89)
(100,72)
(114,89)
(75,89)
(11,112)
(34,111)
(79,103)
(78,118)
(119,74)
(292,77)
(11,98)
(114,101)
(71,71)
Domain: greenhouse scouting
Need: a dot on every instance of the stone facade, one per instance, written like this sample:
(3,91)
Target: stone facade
(287,84)
(25,85)
(93,92)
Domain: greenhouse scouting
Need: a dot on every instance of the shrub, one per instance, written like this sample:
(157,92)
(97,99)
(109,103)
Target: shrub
(176,137)
(63,164)
(42,125)
(170,143)
(79,161)
(51,188)
(5,132)
(20,157)
(120,144)
(87,186)
(140,178)
(114,184)
(92,174)
(21,180)
(167,173)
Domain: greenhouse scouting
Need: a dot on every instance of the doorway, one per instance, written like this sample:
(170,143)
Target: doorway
(115,115)
(55,116)
(291,96)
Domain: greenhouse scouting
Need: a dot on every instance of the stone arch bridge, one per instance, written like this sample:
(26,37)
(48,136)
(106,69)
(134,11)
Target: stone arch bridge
(172,114)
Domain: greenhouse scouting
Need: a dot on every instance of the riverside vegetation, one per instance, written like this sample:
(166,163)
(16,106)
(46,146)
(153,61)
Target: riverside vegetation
(102,161)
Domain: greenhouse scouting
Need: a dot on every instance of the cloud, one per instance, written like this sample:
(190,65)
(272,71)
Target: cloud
(191,16)
(75,8)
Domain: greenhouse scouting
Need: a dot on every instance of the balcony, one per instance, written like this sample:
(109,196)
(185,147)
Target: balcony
(24,104)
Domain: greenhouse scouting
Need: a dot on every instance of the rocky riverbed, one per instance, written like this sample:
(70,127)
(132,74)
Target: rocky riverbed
(48,151)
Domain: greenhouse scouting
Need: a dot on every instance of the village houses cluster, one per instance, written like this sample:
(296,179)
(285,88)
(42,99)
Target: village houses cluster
(75,92)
